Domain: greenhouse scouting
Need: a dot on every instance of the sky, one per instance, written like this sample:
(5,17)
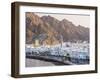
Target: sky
(83,20)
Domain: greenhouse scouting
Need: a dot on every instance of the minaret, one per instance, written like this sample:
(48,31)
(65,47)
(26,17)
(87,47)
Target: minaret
(61,39)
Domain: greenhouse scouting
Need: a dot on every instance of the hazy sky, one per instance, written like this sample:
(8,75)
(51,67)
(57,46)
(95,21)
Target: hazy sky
(83,20)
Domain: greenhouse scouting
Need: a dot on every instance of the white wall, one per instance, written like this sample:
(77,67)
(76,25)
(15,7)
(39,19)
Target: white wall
(5,40)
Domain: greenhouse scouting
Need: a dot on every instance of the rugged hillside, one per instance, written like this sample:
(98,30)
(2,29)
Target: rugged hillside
(49,30)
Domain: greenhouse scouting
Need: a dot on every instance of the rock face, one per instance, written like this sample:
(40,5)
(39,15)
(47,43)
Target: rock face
(49,30)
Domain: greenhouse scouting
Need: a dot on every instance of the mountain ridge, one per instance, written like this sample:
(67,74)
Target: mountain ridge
(49,30)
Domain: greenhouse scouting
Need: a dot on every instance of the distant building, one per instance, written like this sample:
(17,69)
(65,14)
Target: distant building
(36,44)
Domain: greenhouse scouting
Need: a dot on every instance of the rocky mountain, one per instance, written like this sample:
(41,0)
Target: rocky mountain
(49,30)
